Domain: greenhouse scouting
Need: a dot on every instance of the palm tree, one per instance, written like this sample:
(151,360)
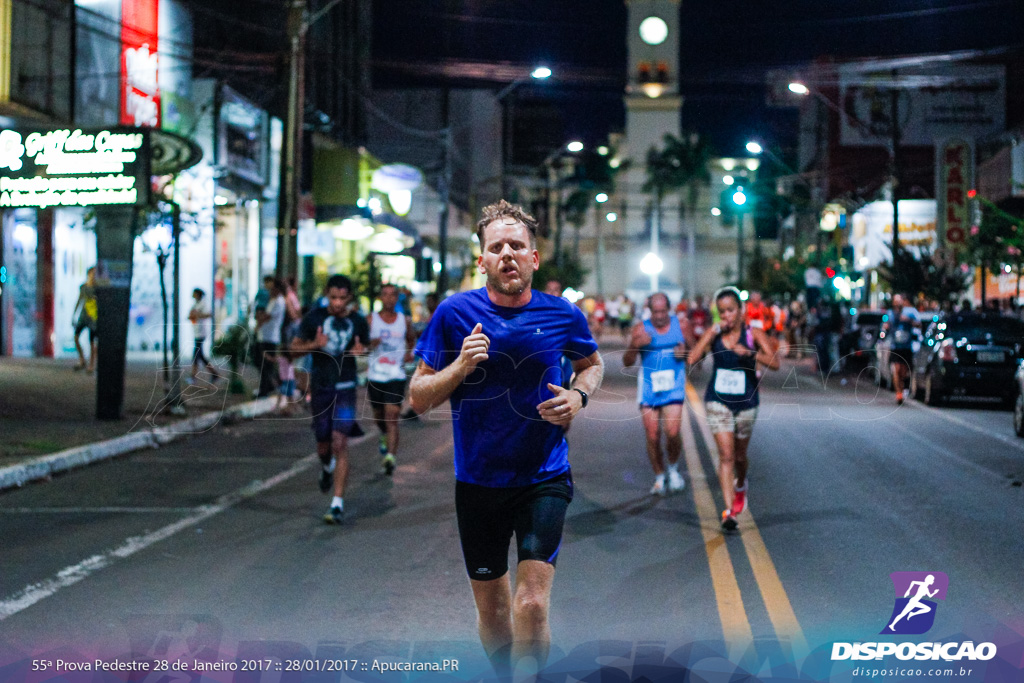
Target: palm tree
(681,165)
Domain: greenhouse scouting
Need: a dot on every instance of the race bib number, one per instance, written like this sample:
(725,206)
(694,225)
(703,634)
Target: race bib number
(730,382)
(663,380)
(759,324)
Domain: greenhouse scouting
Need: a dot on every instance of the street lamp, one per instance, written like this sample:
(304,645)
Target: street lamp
(739,198)
(892,141)
(651,265)
(539,73)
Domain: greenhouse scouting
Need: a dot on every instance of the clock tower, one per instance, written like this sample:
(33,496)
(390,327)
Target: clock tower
(653,109)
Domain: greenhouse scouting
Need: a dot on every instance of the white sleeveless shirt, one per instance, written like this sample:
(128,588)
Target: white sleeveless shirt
(386,360)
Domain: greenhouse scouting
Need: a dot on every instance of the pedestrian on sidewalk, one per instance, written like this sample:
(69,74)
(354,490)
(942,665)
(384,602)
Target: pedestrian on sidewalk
(391,344)
(201,318)
(334,335)
(661,343)
(269,321)
(84,317)
(731,398)
(495,353)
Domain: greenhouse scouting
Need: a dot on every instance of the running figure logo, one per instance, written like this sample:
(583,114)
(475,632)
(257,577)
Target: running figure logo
(914,612)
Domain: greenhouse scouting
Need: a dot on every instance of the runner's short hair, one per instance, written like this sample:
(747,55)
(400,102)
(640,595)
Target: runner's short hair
(339,282)
(504,209)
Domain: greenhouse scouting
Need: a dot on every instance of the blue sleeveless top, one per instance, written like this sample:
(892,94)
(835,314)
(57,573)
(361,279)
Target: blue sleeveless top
(662,378)
(733,378)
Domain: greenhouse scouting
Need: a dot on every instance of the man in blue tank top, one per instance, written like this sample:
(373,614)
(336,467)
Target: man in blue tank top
(495,353)
(661,343)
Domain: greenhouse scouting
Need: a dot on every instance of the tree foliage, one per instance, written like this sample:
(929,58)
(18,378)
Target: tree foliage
(934,275)
(570,273)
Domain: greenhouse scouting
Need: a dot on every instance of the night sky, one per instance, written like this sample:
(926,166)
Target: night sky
(726,46)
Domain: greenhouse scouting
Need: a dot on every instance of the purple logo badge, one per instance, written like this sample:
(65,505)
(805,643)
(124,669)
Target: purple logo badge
(916,593)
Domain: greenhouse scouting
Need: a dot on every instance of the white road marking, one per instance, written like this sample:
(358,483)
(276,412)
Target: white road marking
(95,510)
(69,576)
(1014,440)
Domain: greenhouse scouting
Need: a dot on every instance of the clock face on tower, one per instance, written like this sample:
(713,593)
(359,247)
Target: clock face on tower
(653,30)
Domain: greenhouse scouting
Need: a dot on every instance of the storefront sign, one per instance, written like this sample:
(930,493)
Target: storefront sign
(871,234)
(933,102)
(73,168)
(954,174)
(140,85)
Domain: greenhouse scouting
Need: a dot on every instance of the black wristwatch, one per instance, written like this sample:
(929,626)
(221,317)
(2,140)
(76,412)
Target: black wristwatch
(584,395)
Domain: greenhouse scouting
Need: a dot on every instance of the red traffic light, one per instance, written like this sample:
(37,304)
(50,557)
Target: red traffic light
(830,272)
(971,194)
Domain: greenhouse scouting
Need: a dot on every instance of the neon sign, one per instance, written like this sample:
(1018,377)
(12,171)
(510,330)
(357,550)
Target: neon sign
(140,85)
(73,168)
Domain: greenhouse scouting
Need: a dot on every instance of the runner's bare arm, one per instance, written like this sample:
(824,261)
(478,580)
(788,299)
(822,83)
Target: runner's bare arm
(767,349)
(702,346)
(430,388)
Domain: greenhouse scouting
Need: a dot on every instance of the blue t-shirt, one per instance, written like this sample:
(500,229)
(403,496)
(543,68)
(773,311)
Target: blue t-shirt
(662,378)
(500,438)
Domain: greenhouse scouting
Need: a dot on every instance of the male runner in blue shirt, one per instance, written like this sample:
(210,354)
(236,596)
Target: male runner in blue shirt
(495,353)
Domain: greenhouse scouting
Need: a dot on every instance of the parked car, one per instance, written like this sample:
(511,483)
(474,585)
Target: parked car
(968,354)
(857,344)
(1018,403)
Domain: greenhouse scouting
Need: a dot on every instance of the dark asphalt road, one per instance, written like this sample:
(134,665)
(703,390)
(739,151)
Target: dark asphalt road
(216,542)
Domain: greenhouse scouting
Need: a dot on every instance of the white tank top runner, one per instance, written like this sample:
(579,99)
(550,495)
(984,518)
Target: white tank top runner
(386,360)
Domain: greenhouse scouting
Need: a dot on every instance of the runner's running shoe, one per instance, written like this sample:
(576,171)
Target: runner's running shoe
(334,516)
(388,464)
(728,521)
(659,486)
(326,479)
(675,481)
(739,500)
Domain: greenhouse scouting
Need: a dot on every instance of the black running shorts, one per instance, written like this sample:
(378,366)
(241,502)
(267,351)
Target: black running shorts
(386,393)
(489,516)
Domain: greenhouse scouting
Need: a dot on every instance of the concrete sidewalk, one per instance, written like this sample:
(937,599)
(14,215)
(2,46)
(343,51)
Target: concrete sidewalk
(48,423)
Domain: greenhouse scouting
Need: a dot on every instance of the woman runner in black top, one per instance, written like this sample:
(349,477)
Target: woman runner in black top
(731,398)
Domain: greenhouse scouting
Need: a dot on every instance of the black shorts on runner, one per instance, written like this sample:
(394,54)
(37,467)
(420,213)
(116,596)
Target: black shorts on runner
(386,393)
(489,516)
(334,410)
(902,354)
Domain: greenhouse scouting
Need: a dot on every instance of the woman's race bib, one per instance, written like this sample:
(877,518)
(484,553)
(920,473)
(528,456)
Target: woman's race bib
(730,382)
(663,380)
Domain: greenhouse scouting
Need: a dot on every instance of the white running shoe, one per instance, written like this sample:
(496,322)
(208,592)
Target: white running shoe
(659,486)
(675,481)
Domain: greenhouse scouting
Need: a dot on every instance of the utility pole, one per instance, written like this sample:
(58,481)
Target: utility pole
(895,165)
(445,188)
(291,168)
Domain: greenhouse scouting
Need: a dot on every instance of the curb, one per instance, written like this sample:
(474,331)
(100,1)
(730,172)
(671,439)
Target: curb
(48,465)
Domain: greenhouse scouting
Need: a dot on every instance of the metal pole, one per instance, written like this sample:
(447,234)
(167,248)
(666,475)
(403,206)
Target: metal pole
(739,248)
(691,251)
(655,229)
(292,164)
(895,163)
(445,188)
(599,265)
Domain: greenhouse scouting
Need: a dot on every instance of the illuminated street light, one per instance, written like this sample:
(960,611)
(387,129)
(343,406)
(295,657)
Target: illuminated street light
(651,264)
(575,146)
(754,148)
(541,72)
(601,198)
(611,216)
(799,88)
(715,211)
(728,180)
(603,150)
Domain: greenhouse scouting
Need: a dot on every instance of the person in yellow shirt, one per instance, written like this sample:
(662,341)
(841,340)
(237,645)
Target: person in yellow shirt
(84,317)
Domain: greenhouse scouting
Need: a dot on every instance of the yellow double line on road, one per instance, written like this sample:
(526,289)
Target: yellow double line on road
(735,624)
